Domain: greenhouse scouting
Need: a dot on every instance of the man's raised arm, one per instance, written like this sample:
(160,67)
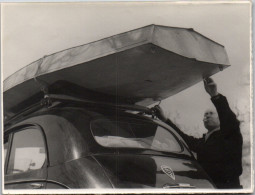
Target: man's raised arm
(228,121)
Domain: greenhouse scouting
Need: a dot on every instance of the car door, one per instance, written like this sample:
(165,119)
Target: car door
(26,161)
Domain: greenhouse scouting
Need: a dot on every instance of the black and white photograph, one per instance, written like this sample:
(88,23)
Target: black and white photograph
(127,97)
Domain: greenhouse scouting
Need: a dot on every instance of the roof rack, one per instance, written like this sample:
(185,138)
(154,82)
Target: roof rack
(67,98)
(49,99)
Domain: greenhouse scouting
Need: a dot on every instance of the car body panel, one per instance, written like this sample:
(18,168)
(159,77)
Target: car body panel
(130,170)
(82,173)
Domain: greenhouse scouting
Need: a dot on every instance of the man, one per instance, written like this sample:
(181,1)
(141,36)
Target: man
(219,151)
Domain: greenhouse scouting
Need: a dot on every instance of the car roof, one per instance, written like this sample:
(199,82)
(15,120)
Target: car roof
(62,101)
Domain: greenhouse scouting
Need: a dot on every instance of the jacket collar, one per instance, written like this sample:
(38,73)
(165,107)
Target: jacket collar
(207,135)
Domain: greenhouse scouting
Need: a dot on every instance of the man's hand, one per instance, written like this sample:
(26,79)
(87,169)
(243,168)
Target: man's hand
(210,87)
(159,113)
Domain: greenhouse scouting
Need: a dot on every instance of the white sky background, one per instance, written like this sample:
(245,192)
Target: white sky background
(31,31)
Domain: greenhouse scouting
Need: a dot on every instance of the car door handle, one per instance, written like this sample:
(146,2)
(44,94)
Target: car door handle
(178,185)
(36,185)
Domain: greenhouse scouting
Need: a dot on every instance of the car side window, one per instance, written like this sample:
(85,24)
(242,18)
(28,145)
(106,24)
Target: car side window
(6,141)
(27,151)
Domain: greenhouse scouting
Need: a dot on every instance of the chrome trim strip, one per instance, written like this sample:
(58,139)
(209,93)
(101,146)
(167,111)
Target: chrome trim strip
(36,180)
(56,182)
(24,181)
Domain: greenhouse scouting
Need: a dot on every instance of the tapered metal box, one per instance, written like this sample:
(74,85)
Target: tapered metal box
(142,66)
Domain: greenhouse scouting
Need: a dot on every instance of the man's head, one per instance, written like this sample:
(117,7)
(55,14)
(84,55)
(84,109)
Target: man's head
(211,119)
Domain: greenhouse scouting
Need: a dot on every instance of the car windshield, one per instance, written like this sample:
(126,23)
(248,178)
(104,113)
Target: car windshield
(130,133)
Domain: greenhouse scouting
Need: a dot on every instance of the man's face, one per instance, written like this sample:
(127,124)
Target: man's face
(211,120)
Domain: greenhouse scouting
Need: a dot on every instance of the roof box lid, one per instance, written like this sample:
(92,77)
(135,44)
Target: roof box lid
(143,65)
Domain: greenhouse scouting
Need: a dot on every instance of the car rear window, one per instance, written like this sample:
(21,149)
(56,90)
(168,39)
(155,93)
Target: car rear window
(130,133)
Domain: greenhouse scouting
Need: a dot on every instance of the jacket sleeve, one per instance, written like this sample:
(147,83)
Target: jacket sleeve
(192,142)
(228,121)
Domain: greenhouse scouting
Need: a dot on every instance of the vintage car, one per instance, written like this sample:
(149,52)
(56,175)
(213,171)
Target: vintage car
(79,118)
(78,144)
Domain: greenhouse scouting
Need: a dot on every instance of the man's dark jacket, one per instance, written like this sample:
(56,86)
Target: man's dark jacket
(221,154)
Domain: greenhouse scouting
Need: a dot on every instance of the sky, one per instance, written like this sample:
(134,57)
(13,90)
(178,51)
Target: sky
(31,31)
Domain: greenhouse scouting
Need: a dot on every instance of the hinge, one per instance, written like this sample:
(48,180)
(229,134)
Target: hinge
(46,101)
(44,87)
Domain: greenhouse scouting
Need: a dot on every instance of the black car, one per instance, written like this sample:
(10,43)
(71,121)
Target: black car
(73,143)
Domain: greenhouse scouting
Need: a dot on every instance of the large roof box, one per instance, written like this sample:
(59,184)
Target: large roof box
(143,66)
